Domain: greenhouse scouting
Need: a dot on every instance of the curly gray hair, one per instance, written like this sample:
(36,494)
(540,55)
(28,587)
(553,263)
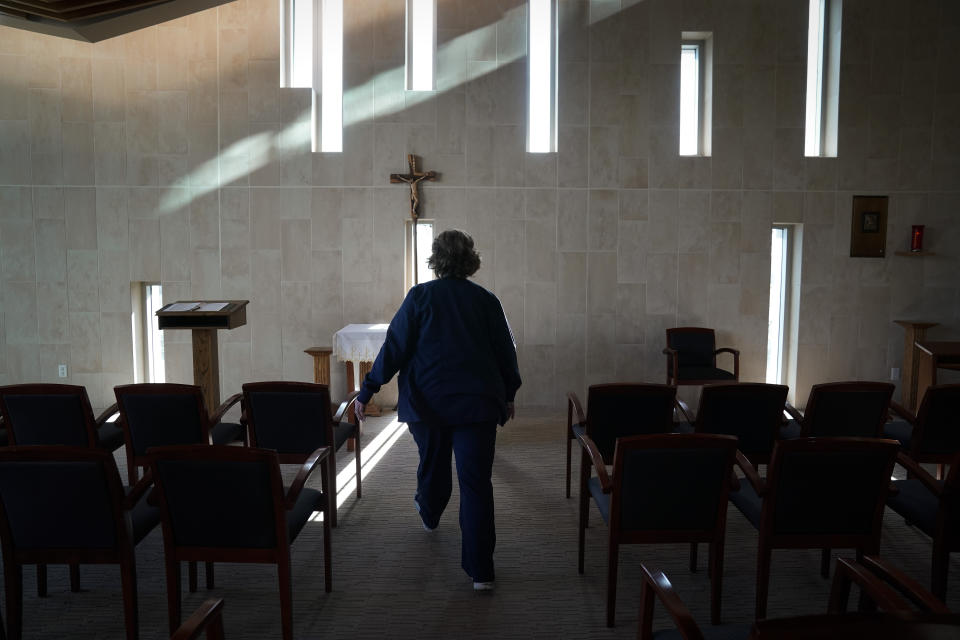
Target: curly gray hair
(453,255)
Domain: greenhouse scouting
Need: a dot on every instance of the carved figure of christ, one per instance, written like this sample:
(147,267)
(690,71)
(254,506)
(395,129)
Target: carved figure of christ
(414,178)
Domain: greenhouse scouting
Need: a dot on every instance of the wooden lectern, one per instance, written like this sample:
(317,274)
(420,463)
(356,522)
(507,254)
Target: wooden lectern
(205,319)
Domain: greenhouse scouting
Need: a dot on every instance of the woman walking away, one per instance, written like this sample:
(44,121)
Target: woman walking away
(455,353)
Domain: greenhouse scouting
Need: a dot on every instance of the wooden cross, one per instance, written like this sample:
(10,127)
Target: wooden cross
(414,178)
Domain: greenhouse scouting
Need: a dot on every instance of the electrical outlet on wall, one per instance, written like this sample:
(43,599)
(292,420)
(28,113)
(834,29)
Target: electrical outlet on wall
(895,373)
(62,370)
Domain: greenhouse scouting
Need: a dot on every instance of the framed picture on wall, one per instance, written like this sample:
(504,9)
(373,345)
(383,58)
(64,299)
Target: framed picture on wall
(868,227)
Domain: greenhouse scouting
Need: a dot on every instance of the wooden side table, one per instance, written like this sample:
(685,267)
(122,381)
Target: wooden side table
(321,364)
(932,356)
(914,333)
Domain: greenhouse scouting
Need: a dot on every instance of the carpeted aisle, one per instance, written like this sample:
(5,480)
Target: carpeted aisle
(392,579)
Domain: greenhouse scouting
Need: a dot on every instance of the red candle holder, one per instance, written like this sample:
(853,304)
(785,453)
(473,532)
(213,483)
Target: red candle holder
(916,238)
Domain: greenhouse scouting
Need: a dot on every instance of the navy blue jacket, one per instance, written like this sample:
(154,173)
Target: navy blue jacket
(455,352)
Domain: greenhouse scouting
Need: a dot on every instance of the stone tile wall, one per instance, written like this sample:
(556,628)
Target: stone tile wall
(172,155)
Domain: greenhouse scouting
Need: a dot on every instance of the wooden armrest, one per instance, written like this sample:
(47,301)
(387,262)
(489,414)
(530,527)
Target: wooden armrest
(106,414)
(684,410)
(922,474)
(673,363)
(315,458)
(208,617)
(793,411)
(736,359)
(751,474)
(850,571)
(904,584)
(131,499)
(574,406)
(217,416)
(903,412)
(591,448)
(655,583)
(342,411)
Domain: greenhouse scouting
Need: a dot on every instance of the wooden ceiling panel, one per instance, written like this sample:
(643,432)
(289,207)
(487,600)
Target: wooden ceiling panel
(73,10)
(95,20)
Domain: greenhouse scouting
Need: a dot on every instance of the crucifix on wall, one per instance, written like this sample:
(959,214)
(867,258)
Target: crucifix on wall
(414,178)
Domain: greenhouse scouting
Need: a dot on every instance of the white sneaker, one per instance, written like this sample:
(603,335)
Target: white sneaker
(422,521)
(483,586)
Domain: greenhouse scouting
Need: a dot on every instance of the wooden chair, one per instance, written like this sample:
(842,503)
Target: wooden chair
(906,604)
(855,409)
(692,357)
(821,493)
(59,414)
(208,617)
(932,435)
(67,505)
(665,488)
(228,504)
(751,411)
(933,507)
(615,410)
(56,414)
(294,419)
(164,414)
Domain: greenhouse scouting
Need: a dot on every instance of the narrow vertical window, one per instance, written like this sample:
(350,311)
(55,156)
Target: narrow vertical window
(419,245)
(823,77)
(784,312)
(776,321)
(689,100)
(148,362)
(331,76)
(696,93)
(542,80)
(297,34)
(421,44)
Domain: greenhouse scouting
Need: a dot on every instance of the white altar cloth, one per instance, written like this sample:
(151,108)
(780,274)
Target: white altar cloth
(359,342)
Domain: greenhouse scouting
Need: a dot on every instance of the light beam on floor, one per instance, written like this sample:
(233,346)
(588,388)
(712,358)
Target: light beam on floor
(370,456)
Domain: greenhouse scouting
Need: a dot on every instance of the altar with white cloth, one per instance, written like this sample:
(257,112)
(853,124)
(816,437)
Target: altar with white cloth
(359,343)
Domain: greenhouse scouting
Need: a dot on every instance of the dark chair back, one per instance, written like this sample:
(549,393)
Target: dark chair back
(220,497)
(227,504)
(621,410)
(695,346)
(292,418)
(671,487)
(48,414)
(60,498)
(753,412)
(937,434)
(65,505)
(856,409)
(666,488)
(829,491)
(162,414)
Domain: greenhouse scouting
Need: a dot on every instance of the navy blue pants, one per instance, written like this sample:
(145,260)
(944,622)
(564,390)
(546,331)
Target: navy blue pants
(473,445)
